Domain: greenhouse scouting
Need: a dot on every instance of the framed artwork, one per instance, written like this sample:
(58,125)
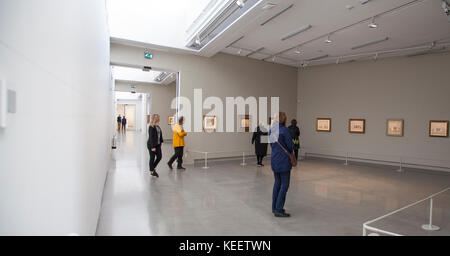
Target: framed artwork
(323,124)
(357,125)
(209,123)
(244,123)
(438,128)
(394,127)
(171,120)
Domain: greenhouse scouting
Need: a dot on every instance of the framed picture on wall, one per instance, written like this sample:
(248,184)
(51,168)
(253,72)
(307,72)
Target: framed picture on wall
(209,123)
(357,125)
(244,123)
(323,124)
(394,127)
(438,128)
(171,120)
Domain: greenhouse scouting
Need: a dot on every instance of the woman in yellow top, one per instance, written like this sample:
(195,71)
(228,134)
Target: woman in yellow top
(178,144)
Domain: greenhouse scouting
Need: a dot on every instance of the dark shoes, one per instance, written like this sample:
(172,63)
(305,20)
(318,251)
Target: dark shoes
(154,173)
(170,166)
(282,214)
(181,168)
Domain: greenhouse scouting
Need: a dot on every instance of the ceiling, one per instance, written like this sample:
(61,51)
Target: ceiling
(411,27)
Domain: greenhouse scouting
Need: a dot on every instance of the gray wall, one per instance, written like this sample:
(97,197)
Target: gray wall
(55,150)
(222,75)
(161,99)
(416,89)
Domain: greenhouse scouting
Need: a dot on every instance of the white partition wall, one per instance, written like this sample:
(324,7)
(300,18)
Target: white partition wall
(53,162)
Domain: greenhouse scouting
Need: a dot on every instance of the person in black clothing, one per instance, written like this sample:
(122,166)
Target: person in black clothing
(295,134)
(155,139)
(260,146)
(119,123)
(124,124)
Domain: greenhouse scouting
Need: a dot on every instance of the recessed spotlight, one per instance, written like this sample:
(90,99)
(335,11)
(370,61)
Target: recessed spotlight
(328,40)
(373,24)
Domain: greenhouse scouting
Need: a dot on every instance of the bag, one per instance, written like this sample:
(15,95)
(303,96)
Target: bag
(290,155)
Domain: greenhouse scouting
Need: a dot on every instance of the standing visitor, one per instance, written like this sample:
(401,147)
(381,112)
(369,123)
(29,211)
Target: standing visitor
(295,134)
(260,147)
(119,122)
(178,144)
(282,147)
(124,124)
(155,139)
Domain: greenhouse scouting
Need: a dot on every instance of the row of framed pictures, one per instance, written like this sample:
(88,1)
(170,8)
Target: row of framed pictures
(394,127)
(209,122)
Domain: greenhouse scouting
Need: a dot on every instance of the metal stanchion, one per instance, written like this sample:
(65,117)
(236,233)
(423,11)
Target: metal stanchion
(401,165)
(206,161)
(346,158)
(430,226)
(243,159)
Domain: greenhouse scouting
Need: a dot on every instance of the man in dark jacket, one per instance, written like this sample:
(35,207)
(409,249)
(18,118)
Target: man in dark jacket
(295,134)
(124,124)
(282,146)
(260,146)
(119,122)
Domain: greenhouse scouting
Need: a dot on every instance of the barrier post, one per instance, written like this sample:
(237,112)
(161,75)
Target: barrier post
(206,161)
(430,226)
(346,158)
(243,159)
(401,165)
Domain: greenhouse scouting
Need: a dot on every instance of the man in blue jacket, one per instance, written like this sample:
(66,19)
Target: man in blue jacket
(282,145)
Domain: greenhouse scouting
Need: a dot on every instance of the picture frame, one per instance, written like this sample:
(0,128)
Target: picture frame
(244,123)
(395,127)
(438,128)
(323,124)
(357,125)
(171,120)
(209,123)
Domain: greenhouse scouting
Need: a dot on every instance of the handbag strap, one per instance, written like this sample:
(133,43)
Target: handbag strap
(283,148)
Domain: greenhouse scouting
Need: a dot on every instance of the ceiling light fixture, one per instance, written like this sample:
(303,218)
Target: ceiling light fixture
(273,59)
(197,40)
(240,3)
(370,43)
(364,1)
(235,41)
(297,51)
(318,58)
(239,52)
(328,39)
(276,15)
(292,34)
(373,24)
(268,6)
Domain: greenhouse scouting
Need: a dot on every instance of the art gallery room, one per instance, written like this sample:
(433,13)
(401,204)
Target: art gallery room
(224,118)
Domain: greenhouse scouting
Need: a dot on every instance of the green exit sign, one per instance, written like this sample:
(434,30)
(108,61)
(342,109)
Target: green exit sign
(148,55)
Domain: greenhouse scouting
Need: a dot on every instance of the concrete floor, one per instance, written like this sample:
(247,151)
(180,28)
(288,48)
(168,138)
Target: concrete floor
(325,198)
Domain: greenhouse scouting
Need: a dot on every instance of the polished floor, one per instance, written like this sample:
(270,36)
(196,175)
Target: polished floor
(325,198)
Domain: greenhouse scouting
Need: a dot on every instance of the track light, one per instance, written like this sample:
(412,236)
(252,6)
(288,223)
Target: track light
(373,24)
(197,40)
(240,3)
(328,39)
(297,51)
(239,52)
(446,7)
(364,1)
(273,59)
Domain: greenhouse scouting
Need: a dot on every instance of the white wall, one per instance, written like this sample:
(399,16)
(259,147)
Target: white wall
(223,76)
(55,151)
(416,89)
(161,99)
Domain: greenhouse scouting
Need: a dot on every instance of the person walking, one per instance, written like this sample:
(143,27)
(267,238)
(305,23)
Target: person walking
(178,144)
(282,146)
(155,139)
(124,124)
(295,134)
(119,122)
(260,147)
